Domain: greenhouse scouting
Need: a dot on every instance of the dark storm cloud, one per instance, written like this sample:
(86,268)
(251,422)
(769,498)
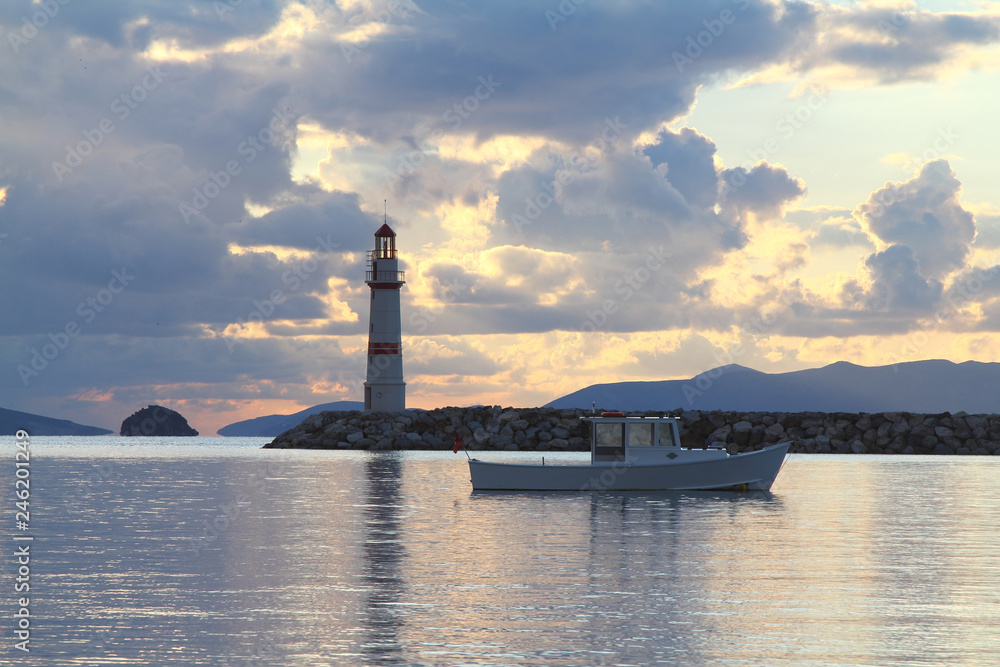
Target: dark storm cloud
(606,60)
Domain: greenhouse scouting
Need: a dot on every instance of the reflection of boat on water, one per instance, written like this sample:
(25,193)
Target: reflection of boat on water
(637,454)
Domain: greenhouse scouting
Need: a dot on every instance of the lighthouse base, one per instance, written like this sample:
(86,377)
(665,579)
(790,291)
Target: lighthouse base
(385,397)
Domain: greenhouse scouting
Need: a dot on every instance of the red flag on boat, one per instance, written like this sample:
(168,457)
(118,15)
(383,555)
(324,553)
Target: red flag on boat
(458,443)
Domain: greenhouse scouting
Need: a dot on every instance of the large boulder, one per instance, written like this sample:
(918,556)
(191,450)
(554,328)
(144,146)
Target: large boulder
(156,420)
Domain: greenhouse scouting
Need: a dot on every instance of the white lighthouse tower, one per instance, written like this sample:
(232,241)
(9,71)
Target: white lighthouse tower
(385,390)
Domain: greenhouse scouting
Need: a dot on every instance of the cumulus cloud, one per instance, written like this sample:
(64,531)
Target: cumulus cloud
(763,190)
(686,160)
(897,284)
(925,214)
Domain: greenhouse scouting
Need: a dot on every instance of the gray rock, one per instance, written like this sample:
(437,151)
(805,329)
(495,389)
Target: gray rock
(741,433)
(836,433)
(943,432)
(952,442)
(434,442)
(500,441)
(899,428)
(509,415)
(977,421)
(720,434)
(691,416)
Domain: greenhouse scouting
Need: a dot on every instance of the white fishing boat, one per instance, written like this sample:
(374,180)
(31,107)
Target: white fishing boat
(637,454)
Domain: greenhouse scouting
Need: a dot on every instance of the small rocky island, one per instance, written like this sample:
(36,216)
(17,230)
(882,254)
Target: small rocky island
(545,429)
(157,420)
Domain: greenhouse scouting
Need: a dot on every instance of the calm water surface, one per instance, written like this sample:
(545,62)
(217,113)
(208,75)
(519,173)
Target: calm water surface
(163,552)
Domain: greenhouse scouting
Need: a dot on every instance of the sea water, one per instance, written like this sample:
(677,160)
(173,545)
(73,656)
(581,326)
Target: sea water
(212,551)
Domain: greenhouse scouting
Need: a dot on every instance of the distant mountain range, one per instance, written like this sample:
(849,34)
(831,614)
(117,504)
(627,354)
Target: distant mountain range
(916,386)
(273,425)
(12,420)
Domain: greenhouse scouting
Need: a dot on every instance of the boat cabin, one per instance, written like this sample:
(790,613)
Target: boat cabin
(615,437)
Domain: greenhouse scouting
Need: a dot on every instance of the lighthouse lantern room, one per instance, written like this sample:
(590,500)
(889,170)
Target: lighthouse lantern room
(385,390)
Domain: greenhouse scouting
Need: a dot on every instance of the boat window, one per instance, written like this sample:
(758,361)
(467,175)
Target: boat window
(610,435)
(666,434)
(640,435)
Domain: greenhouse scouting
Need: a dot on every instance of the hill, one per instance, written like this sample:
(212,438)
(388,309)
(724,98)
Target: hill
(931,386)
(12,420)
(273,425)
(156,420)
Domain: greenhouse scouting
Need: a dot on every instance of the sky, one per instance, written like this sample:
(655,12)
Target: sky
(583,192)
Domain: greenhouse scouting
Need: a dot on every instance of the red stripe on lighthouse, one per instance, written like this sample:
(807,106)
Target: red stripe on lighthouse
(385,348)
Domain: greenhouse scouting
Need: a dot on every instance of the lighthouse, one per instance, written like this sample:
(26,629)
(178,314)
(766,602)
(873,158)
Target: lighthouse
(385,390)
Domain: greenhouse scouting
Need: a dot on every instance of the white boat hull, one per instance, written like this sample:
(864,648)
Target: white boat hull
(750,470)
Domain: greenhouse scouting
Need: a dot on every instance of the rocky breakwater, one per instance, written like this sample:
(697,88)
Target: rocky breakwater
(848,433)
(491,427)
(546,429)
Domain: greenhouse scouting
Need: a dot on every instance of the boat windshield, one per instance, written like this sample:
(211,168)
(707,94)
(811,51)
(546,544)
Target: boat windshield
(609,435)
(640,435)
(609,441)
(666,435)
